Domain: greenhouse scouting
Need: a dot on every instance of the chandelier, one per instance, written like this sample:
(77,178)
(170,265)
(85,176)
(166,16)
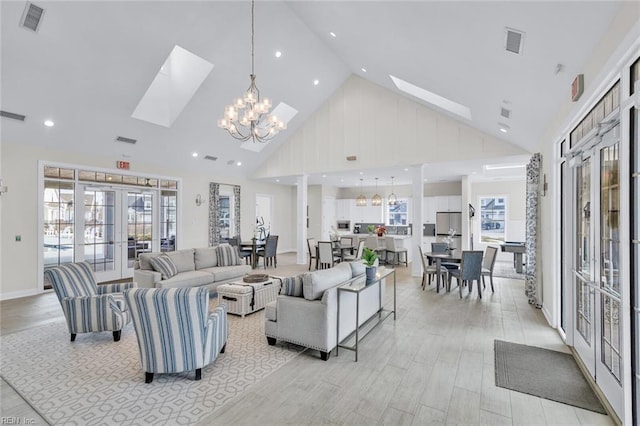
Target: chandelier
(361,201)
(376,200)
(248,117)
(392,199)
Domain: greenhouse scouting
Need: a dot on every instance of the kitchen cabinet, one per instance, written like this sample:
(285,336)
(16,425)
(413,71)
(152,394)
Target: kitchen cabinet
(440,203)
(344,208)
(366,214)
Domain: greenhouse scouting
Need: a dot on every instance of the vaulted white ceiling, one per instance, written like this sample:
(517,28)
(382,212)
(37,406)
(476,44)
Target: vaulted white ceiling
(91,62)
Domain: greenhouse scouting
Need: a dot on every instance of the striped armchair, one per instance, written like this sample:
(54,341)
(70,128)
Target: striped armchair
(89,307)
(175,330)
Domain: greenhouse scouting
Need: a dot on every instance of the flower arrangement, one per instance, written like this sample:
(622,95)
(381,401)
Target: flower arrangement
(449,238)
(381,230)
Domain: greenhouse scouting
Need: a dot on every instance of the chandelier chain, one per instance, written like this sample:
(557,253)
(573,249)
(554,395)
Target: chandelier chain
(253,5)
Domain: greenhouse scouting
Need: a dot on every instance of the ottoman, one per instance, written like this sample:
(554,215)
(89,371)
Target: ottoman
(245,298)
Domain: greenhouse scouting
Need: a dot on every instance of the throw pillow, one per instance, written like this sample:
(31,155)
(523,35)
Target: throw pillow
(228,255)
(292,286)
(164,265)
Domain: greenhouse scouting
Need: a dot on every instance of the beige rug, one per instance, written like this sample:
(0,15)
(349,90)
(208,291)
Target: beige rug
(97,381)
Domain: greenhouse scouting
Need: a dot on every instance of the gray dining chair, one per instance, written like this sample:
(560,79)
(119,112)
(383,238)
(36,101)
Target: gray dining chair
(443,248)
(358,255)
(470,271)
(270,252)
(244,254)
(429,270)
(488,262)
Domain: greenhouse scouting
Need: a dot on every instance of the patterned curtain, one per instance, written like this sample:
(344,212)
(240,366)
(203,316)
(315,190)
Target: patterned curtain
(214,214)
(532,223)
(236,209)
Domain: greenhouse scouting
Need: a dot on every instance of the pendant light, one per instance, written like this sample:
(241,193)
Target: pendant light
(392,199)
(376,200)
(361,201)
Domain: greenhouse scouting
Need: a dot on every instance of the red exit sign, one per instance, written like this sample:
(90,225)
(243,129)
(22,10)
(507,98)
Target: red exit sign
(122,165)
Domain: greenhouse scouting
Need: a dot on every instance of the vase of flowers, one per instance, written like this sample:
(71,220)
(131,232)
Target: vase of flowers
(381,230)
(369,258)
(449,238)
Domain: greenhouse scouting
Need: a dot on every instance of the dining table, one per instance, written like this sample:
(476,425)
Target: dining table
(454,256)
(254,245)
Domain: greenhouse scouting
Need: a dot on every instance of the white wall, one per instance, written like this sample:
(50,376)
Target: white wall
(381,128)
(515,192)
(314,201)
(20,206)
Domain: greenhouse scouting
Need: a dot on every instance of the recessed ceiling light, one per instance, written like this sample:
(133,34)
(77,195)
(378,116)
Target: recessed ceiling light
(278,53)
(363,69)
(316,82)
(426,180)
(195,154)
(277,180)
(503,130)
(49,123)
(239,163)
(341,180)
(324,176)
(406,170)
(332,34)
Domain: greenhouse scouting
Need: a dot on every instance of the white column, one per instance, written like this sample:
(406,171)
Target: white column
(466,200)
(301,219)
(417,217)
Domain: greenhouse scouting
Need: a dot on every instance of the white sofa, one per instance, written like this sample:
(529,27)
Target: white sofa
(310,320)
(196,267)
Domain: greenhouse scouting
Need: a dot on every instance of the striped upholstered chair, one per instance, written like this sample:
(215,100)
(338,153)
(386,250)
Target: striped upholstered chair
(89,307)
(175,330)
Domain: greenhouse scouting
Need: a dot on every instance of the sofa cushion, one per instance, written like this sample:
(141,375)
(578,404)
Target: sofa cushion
(165,266)
(206,257)
(183,259)
(292,286)
(145,260)
(187,279)
(315,283)
(224,273)
(228,255)
(357,268)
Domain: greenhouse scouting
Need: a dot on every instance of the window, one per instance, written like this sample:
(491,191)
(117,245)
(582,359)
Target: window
(492,219)
(168,220)
(398,213)
(58,222)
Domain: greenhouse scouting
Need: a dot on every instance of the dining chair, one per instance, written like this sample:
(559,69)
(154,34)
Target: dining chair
(244,254)
(373,243)
(488,262)
(443,248)
(326,256)
(312,245)
(270,252)
(470,271)
(358,254)
(398,252)
(429,270)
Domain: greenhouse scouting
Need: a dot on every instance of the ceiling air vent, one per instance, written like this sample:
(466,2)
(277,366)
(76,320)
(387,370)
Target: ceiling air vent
(31,17)
(210,157)
(230,162)
(126,140)
(12,115)
(505,112)
(513,40)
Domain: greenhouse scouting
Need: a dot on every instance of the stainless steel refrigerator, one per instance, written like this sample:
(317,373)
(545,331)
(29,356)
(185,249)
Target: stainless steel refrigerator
(446,221)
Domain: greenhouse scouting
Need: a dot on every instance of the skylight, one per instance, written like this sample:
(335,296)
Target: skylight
(432,98)
(173,87)
(285,113)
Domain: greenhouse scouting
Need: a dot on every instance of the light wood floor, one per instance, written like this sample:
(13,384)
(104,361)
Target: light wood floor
(433,365)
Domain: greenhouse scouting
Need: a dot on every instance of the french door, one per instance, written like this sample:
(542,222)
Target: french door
(597,334)
(116,225)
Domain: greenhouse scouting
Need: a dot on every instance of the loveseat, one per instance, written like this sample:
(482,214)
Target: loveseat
(305,313)
(209,266)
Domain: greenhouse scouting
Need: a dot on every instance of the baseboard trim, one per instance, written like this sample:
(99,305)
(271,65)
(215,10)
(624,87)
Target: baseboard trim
(605,403)
(19,294)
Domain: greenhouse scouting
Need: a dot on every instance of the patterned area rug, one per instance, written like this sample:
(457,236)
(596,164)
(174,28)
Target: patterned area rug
(97,381)
(505,269)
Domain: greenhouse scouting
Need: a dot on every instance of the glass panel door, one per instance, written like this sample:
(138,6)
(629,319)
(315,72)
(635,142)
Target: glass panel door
(99,221)
(584,294)
(139,225)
